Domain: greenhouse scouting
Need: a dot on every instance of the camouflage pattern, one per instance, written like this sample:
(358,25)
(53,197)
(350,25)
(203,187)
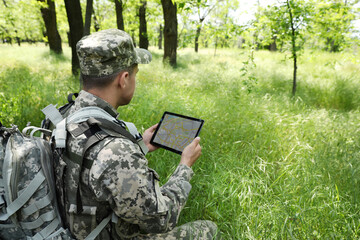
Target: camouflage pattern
(109,51)
(120,181)
(21,162)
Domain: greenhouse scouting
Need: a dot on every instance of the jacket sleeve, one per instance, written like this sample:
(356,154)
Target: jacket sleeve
(121,175)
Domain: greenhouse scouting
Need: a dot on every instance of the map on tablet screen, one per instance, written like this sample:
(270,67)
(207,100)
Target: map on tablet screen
(176,131)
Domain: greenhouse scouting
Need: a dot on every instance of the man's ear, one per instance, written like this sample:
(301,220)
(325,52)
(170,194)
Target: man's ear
(121,79)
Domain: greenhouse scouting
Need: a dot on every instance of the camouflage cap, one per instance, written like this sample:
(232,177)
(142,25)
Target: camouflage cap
(109,51)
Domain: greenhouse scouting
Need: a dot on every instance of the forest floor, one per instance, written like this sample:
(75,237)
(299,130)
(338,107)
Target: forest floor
(273,166)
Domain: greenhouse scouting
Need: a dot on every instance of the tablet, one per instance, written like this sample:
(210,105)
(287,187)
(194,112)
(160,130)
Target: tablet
(176,131)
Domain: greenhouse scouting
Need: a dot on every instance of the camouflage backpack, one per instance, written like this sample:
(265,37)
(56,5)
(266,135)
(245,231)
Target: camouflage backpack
(28,207)
(29,193)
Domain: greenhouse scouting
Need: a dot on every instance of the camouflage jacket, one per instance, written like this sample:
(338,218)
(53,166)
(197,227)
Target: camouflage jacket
(121,182)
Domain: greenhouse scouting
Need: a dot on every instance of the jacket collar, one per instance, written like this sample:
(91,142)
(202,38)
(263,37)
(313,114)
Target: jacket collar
(86,99)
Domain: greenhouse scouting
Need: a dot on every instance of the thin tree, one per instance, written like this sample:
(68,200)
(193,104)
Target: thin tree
(88,13)
(170,31)
(96,22)
(289,22)
(119,14)
(160,38)
(293,44)
(203,10)
(73,11)
(143,37)
(48,14)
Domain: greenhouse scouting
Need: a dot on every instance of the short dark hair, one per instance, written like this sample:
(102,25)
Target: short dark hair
(89,82)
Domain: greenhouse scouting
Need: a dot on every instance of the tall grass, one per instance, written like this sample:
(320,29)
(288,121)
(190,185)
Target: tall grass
(30,78)
(273,166)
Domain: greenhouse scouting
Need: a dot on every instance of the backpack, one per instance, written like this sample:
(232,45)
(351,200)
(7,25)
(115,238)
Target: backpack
(30,195)
(28,207)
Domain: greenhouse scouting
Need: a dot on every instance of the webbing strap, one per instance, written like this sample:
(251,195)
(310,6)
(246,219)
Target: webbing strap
(143,147)
(95,112)
(92,140)
(85,113)
(45,201)
(46,217)
(49,229)
(117,128)
(2,201)
(24,196)
(10,225)
(132,129)
(106,124)
(55,235)
(94,233)
(60,134)
(53,114)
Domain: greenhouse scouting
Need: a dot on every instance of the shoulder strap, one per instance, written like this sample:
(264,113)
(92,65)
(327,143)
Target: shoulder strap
(113,126)
(83,115)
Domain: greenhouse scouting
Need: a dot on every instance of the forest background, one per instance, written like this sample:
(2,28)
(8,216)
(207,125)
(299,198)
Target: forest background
(279,94)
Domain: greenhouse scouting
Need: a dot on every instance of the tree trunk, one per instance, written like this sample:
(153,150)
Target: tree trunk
(133,37)
(273,46)
(160,37)
(293,50)
(170,31)
(198,30)
(119,14)
(294,77)
(96,22)
(143,37)
(331,46)
(49,15)
(73,11)
(89,11)
(216,43)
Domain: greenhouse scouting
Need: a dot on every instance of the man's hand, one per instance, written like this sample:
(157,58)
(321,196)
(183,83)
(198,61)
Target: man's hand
(191,153)
(147,135)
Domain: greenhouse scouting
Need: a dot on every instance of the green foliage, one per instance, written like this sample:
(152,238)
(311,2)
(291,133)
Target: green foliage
(320,24)
(247,72)
(323,24)
(276,23)
(273,167)
(21,20)
(26,89)
(332,24)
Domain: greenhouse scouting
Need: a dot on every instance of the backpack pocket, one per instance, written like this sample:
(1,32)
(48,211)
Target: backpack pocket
(86,220)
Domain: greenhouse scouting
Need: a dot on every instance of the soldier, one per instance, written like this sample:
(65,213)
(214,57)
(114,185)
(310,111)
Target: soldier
(119,180)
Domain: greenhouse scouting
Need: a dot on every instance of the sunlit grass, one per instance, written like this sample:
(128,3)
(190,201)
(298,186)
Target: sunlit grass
(273,166)
(30,78)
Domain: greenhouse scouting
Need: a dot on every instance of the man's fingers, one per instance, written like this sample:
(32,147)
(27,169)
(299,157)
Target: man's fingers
(154,127)
(196,141)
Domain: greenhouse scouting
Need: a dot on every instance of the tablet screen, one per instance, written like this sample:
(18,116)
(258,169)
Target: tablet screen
(176,131)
